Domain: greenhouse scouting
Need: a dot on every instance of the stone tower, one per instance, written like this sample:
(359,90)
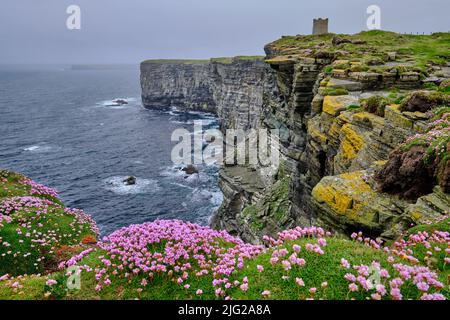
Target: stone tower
(320,26)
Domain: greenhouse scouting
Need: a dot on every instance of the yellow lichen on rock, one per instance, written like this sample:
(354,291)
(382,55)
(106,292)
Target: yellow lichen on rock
(331,105)
(393,115)
(315,133)
(367,117)
(352,142)
(345,194)
(334,105)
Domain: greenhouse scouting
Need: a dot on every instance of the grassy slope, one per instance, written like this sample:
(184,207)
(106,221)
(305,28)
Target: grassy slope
(318,269)
(47,221)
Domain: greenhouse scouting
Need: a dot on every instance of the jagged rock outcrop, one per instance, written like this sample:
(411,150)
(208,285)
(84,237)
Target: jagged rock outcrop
(350,202)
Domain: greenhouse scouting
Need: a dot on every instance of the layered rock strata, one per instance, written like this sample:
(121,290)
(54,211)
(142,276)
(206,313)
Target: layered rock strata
(313,90)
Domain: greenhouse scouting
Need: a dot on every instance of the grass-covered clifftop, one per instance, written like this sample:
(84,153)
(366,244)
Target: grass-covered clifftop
(224,60)
(40,238)
(370,48)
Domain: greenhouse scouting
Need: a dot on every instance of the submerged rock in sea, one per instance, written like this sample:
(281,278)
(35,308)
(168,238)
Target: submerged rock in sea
(131,180)
(118,102)
(190,169)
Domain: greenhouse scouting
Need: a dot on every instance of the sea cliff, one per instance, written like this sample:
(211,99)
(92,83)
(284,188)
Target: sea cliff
(232,88)
(349,108)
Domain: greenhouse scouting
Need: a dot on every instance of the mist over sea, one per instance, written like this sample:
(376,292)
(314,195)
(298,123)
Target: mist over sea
(58,127)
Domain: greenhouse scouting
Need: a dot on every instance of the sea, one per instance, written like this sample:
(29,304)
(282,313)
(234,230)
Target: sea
(60,126)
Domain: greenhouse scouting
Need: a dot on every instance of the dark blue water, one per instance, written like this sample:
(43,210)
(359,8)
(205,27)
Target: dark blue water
(56,127)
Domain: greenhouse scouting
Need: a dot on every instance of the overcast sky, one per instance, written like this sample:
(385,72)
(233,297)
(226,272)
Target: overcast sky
(128,31)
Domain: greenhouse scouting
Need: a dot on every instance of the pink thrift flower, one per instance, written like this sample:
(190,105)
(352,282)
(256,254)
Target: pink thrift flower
(260,268)
(345,263)
(396,294)
(350,277)
(244,286)
(353,287)
(380,289)
(199,292)
(300,282)
(51,282)
(4,277)
(273,260)
(384,273)
(422,286)
(265,293)
(286,265)
(375,296)
(322,242)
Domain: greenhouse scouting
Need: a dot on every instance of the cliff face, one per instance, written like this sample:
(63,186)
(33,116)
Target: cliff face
(177,83)
(232,88)
(338,105)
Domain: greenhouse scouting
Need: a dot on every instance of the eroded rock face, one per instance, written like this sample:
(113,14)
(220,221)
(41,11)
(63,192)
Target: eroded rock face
(351,202)
(232,90)
(406,174)
(423,101)
(444,174)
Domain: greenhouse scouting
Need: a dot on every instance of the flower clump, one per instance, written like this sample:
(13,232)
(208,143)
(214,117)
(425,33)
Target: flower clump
(14,184)
(415,278)
(37,189)
(32,229)
(177,249)
(435,138)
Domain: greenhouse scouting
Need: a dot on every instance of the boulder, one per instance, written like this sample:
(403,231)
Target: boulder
(339,40)
(120,102)
(131,180)
(190,169)
(392,56)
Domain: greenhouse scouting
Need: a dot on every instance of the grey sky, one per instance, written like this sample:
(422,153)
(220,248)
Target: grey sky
(128,31)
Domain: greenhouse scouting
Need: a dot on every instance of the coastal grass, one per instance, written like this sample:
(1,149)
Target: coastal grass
(414,52)
(11,185)
(30,257)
